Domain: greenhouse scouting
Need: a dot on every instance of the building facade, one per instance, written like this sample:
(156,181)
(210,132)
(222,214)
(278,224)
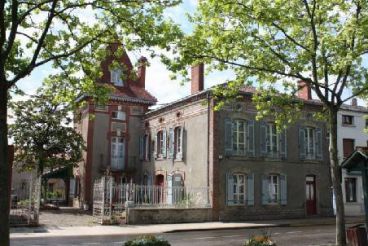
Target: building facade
(351,124)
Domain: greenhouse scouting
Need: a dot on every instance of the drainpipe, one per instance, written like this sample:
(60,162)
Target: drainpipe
(208,145)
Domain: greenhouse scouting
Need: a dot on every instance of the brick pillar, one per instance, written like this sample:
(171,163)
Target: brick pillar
(197,83)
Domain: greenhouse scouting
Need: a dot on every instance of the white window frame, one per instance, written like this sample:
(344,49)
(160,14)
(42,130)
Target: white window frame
(120,115)
(117,153)
(272,139)
(274,188)
(239,198)
(115,75)
(237,142)
(178,140)
(160,143)
(352,190)
(310,142)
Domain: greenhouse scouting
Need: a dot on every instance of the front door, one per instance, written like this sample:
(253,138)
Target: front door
(159,189)
(310,187)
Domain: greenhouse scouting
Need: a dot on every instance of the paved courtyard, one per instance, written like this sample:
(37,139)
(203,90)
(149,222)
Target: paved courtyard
(66,216)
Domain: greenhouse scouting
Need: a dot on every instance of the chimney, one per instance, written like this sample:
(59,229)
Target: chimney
(354,102)
(197,78)
(304,90)
(142,71)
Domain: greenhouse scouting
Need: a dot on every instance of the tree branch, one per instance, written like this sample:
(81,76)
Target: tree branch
(13,30)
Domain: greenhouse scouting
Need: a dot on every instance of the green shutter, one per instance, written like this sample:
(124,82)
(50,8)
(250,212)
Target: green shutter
(265,192)
(319,144)
(263,139)
(250,189)
(302,150)
(250,138)
(283,144)
(171,143)
(141,147)
(155,145)
(228,137)
(164,147)
(283,189)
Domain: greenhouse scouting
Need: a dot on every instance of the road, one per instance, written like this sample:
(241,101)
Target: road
(311,235)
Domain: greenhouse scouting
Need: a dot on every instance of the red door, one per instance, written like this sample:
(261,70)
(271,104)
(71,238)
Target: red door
(310,187)
(159,190)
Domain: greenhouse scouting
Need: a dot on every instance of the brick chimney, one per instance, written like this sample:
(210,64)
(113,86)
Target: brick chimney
(304,90)
(354,102)
(142,71)
(197,84)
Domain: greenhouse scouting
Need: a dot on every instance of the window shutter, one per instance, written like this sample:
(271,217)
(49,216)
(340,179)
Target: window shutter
(250,138)
(229,188)
(283,144)
(265,191)
(250,189)
(263,139)
(228,137)
(141,147)
(319,144)
(164,147)
(149,148)
(302,150)
(171,143)
(155,146)
(283,189)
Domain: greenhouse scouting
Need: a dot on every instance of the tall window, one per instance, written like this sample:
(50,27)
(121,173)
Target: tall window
(347,120)
(309,142)
(117,153)
(116,77)
(239,136)
(272,142)
(348,146)
(146,147)
(350,189)
(160,143)
(273,188)
(178,140)
(236,191)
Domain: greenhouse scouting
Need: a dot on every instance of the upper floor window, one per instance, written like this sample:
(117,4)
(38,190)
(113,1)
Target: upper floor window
(160,144)
(348,146)
(350,190)
(178,138)
(239,137)
(240,189)
(116,77)
(117,153)
(310,143)
(274,189)
(348,120)
(144,147)
(118,115)
(273,143)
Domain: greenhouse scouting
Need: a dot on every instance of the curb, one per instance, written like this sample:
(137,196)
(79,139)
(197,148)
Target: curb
(228,228)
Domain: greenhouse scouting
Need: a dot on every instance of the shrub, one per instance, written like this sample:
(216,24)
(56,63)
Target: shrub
(260,240)
(147,240)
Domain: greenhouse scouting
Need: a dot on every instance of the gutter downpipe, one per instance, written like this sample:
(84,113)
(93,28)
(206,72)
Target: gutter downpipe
(208,146)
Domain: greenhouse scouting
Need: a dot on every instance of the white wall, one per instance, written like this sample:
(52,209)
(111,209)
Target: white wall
(356,132)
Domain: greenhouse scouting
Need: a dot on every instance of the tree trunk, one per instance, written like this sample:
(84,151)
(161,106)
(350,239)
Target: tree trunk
(336,178)
(4,168)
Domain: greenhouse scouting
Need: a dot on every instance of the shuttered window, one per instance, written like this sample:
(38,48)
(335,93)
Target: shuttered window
(272,143)
(117,153)
(274,189)
(240,189)
(310,143)
(239,137)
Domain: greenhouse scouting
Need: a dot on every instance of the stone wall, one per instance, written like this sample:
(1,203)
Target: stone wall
(167,215)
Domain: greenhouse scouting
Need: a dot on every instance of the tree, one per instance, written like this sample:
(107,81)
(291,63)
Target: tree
(68,34)
(276,43)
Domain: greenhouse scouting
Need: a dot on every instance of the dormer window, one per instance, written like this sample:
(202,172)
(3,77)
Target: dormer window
(116,77)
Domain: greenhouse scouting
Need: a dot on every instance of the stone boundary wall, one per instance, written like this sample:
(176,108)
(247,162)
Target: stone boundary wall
(167,215)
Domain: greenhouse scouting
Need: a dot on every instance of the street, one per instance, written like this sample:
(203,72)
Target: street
(307,235)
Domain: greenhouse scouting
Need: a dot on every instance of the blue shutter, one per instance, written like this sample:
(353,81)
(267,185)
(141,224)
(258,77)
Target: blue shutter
(179,156)
(263,139)
(171,143)
(283,189)
(302,150)
(265,191)
(250,189)
(141,147)
(229,189)
(228,137)
(283,144)
(319,145)
(164,137)
(250,138)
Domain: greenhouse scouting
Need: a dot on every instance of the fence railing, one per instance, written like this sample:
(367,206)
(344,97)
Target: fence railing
(109,198)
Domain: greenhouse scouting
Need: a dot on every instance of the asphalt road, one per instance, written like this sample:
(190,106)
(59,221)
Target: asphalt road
(311,235)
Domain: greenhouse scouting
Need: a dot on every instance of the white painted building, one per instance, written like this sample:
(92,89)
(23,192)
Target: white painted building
(351,123)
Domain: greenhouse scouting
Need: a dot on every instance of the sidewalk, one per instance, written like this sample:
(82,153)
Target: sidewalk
(44,231)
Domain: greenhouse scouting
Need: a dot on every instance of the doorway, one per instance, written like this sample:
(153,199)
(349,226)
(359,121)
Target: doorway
(310,188)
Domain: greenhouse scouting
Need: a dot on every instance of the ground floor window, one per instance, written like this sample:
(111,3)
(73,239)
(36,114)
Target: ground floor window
(274,189)
(350,190)
(236,188)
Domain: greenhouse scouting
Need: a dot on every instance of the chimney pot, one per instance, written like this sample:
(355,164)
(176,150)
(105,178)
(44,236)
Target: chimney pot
(197,83)
(354,102)
(304,90)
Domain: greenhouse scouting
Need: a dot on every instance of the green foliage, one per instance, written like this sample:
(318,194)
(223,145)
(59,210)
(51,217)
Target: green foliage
(147,240)
(42,134)
(260,240)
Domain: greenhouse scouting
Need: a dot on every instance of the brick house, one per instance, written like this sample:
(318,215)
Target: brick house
(252,171)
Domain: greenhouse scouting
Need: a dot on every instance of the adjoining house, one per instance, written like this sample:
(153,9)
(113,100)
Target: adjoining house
(250,170)
(351,135)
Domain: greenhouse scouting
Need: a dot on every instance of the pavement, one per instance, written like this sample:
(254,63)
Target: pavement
(103,230)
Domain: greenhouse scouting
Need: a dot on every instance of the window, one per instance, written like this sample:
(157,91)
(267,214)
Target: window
(146,146)
(310,143)
(236,189)
(348,146)
(116,77)
(272,143)
(117,153)
(178,140)
(239,137)
(350,189)
(274,189)
(118,115)
(160,144)
(347,120)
